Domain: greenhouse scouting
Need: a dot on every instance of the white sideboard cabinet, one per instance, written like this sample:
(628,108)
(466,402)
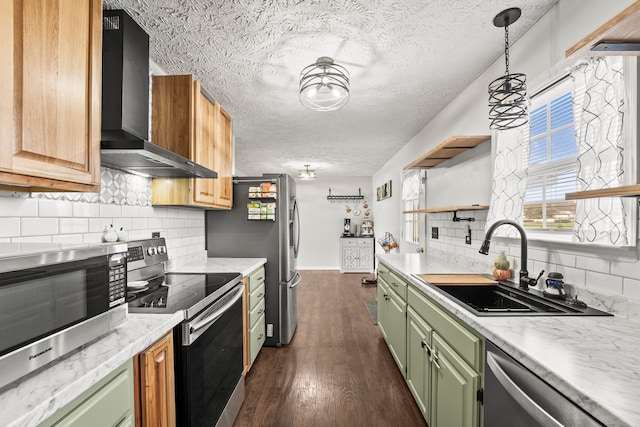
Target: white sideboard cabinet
(356,255)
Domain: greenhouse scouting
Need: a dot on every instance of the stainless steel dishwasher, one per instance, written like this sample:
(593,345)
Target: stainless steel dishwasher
(515,396)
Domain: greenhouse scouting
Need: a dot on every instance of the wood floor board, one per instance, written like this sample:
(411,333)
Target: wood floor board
(337,370)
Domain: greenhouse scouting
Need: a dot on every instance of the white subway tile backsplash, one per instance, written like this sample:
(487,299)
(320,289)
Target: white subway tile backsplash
(68,238)
(155,223)
(139,223)
(97,225)
(148,211)
(605,283)
(627,269)
(74,225)
(92,238)
(39,226)
(631,288)
(82,209)
(18,207)
(10,227)
(593,264)
(130,211)
(33,239)
(110,211)
(54,208)
(573,276)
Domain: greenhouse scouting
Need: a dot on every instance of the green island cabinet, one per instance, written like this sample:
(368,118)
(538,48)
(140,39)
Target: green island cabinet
(443,359)
(392,314)
(109,402)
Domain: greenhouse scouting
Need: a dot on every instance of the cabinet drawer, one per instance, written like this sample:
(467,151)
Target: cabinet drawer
(256,279)
(256,296)
(398,285)
(466,343)
(257,336)
(256,312)
(384,272)
(349,243)
(365,243)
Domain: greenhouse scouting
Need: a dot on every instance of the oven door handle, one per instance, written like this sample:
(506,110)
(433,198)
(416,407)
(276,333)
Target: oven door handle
(216,314)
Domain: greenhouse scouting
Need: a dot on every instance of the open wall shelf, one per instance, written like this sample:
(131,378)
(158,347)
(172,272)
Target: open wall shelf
(449,209)
(618,36)
(448,149)
(624,191)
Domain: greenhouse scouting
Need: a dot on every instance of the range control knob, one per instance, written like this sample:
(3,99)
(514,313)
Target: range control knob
(152,250)
(162,249)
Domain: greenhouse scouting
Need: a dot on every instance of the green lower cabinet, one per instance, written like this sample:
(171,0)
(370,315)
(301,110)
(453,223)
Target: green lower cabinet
(108,403)
(397,332)
(383,309)
(418,363)
(454,387)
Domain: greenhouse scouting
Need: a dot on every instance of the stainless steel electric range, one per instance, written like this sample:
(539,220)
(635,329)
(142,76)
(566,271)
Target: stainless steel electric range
(208,344)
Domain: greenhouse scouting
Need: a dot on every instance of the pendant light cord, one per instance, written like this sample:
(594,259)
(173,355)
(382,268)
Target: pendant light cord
(506,47)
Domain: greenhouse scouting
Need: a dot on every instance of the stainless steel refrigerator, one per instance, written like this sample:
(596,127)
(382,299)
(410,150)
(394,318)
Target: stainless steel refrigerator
(243,233)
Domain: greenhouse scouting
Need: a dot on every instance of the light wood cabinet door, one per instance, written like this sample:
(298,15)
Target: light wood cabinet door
(186,122)
(50,78)
(223,158)
(157,385)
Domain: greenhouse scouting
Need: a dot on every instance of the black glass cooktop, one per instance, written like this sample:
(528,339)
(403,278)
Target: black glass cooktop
(174,292)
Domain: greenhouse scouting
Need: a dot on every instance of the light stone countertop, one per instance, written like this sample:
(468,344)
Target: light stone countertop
(245,266)
(36,396)
(592,360)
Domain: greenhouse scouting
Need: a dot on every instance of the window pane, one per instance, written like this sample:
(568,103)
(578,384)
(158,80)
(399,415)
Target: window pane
(538,150)
(533,192)
(538,120)
(561,111)
(560,215)
(563,144)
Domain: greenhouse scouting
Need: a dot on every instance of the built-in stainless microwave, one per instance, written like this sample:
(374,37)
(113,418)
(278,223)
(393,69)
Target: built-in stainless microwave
(54,299)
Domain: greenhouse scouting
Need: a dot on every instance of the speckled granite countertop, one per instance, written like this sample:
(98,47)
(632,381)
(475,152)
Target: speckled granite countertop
(220,265)
(33,398)
(592,360)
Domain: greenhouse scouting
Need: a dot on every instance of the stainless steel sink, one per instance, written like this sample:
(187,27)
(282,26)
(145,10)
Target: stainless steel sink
(505,299)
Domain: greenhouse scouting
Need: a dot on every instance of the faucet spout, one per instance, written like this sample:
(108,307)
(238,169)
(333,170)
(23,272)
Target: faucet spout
(525,281)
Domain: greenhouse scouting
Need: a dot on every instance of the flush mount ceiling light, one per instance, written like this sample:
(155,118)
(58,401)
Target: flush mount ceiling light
(324,86)
(306,174)
(508,94)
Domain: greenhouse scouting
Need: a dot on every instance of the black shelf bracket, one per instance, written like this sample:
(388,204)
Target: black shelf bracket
(456,218)
(346,197)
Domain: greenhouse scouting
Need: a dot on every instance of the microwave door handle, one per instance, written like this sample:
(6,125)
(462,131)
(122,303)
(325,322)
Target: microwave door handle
(214,316)
(524,401)
(296,280)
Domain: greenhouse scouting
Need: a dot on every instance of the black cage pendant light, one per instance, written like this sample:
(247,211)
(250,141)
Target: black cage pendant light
(324,86)
(508,100)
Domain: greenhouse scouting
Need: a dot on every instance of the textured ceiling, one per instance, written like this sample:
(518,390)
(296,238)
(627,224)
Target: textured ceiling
(407,60)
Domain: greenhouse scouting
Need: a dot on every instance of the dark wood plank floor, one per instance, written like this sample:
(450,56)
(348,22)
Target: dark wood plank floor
(337,370)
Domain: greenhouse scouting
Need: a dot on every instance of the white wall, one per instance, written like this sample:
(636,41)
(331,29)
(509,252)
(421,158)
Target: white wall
(322,221)
(538,53)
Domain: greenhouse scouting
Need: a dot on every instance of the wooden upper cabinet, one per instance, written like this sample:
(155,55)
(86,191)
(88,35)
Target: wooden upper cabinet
(50,74)
(223,158)
(186,122)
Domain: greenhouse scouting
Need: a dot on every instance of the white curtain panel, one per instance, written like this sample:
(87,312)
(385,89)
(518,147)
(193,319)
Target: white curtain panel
(598,118)
(509,179)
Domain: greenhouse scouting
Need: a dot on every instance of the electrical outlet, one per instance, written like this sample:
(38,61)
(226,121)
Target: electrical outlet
(467,240)
(155,234)
(434,232)
(270,330)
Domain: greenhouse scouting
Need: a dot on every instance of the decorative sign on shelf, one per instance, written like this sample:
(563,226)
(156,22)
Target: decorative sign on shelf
(384,191)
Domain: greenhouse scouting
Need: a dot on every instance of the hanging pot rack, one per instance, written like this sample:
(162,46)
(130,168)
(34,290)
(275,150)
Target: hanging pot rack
(359,196)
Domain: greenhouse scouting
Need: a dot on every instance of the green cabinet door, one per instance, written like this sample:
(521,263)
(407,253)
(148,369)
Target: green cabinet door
(454,387)
(383,303)
(418,363)
(397,331)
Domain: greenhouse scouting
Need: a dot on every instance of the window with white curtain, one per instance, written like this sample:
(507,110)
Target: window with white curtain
(412,194)
(551,166)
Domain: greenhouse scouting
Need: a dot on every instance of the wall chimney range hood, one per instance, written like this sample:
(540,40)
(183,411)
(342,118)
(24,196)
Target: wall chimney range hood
(125,106)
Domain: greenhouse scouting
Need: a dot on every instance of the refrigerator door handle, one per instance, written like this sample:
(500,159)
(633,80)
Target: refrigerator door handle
(296,280)
(296,219)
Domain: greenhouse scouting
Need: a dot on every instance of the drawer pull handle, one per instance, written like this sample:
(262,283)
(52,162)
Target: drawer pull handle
(426,347)
(260,295)
(260,311)
(260,336)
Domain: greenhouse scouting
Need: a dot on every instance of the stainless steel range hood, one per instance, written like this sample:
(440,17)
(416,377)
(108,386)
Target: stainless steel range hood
(125,106)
